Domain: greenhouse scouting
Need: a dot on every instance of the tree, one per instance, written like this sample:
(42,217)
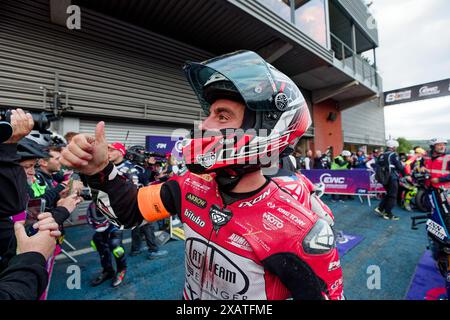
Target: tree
(404,146)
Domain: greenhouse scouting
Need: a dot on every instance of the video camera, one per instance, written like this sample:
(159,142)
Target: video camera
(138,155)
(41,120)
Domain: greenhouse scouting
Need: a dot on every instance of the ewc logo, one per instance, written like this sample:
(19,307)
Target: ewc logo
(328,179)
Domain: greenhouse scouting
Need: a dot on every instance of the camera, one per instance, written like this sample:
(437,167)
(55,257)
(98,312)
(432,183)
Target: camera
(41,120)
(138,155)
(85,193)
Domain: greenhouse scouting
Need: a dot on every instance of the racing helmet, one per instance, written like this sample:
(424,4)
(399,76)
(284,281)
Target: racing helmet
(276,114)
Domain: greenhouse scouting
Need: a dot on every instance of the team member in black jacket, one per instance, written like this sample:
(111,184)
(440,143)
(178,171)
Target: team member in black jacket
(13,183)
(390,158)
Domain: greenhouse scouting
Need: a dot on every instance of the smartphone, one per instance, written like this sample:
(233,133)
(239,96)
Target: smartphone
(34,208)
(70,185)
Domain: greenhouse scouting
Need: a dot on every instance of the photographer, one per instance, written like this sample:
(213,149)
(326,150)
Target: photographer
(25,276)
(13,182)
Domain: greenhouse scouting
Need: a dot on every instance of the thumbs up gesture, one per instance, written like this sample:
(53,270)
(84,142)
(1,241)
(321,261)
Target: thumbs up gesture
(87,154)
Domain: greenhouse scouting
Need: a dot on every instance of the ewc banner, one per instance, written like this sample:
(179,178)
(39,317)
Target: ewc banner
(341,181)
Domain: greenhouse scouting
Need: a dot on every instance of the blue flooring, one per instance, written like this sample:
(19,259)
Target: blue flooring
(390,245)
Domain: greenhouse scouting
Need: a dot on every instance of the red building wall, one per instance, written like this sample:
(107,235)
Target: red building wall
(327,132)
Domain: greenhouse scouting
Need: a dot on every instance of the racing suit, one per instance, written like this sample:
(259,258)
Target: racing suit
(107,240)
(260,245)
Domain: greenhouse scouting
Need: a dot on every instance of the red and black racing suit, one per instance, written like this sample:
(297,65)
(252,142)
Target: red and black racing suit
(262,245)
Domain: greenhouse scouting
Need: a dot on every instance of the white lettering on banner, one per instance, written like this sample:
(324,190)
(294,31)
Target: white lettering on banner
(271,222)
(161,146)
(428,91)
(327,179)
(395,96)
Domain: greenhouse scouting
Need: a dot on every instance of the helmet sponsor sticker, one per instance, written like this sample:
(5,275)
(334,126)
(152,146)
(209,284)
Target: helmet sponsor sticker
(207,160)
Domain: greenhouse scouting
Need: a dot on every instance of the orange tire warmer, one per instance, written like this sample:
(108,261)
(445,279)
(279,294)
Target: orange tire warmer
(150,203)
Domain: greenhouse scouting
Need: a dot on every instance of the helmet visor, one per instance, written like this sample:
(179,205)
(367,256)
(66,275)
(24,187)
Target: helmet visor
(248,72)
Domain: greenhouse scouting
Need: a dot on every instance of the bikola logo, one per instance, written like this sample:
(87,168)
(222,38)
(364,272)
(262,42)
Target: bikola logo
(328,179)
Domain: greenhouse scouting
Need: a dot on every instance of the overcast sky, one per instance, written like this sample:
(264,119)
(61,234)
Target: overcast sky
(414,49)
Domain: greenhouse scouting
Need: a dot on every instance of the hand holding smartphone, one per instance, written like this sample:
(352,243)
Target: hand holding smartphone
(34,208)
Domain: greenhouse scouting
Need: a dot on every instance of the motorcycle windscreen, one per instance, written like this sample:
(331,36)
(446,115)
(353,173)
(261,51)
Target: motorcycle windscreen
(245,69)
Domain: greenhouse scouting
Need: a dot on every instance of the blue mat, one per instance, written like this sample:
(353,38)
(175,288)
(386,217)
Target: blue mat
(427,284)
(347,242)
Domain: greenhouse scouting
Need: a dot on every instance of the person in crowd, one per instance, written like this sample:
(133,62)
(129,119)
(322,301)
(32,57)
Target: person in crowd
(22,259)
(437,163)
(219,199)
(321,161)
(69,136)
(299,159)
(30,152)
(287,160)
(390,159)
(342,162)
(44,181)
(108,241)
(371,161)
(309,160)
(416,162)
(360,160)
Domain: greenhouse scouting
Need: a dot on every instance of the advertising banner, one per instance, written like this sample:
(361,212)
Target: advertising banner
(341,181)
(419,92)
(164,145)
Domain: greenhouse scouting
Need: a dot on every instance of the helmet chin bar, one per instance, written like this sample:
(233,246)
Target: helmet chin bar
(228,178)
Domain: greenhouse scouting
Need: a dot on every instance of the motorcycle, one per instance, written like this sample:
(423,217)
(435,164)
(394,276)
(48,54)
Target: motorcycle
(438,226)
(413,194)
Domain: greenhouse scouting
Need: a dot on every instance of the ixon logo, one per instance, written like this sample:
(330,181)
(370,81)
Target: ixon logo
(328,179)
(254,201)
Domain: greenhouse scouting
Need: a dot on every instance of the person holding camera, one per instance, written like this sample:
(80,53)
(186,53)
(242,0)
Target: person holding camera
(23,260)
